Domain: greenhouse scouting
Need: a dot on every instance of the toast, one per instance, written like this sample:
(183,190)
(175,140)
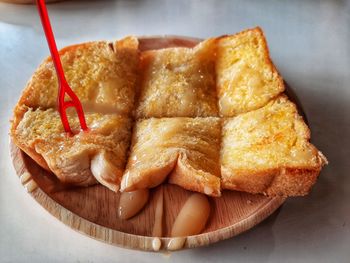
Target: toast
(72,159)
(268,151)
(205,118)
(186,149)
(104,76)
(178,82)
(245,75)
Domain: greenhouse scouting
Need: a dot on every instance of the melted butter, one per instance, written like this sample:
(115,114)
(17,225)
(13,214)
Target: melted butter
(192,217)
(158,226)
(131,203)
(176,243)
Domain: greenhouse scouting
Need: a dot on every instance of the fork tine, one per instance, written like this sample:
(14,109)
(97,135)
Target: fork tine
(64,89)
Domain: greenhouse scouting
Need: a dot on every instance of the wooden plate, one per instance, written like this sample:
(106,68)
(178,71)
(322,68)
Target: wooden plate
(93,210)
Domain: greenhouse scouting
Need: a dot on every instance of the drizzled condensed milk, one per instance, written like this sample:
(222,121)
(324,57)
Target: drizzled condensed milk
(192,217)
(176,243)
(131,203)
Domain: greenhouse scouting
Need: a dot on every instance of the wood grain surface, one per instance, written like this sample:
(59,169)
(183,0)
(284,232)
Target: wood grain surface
(94,210)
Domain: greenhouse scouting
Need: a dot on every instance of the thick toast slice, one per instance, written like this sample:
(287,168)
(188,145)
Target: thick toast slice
(102,74)
(186,149)
(73,158)
(246,77)
(104,77)
(268,151)
(178,82)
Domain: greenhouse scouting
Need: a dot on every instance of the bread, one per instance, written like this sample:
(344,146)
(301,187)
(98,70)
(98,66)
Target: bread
(268,151)
(178,82)
(186,149)
(205,118)
(104,76)
(246,76)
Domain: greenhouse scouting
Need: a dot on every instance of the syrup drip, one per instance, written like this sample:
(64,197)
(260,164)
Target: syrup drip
(176,243)
(63,87)
(192,217)
(131,203)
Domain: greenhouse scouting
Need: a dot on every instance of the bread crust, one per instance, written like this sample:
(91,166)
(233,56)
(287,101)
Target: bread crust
(224,91)
(273,182)
(194,180)
(284,180)
(152,177)
(31,100)
(19,111)
(178,82)
(40,73)
(177,149)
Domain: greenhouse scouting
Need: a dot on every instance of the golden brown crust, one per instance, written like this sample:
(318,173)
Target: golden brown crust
(268,151)
(69,157)
(178,82)
(186,149)
(187,177)
(36,128)
(274,182)
(32,154)
(29,94)
(245,83)
(103,75)
(19,111)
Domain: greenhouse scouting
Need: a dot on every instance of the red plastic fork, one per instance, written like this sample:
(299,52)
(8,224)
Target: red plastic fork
(63,87)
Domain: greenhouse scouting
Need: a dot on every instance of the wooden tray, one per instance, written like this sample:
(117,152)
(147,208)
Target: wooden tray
(93,210)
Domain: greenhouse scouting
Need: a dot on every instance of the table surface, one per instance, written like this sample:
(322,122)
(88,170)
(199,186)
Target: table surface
(309,43)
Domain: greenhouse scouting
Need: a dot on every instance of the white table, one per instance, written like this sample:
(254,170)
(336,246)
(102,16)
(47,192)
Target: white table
(309,42)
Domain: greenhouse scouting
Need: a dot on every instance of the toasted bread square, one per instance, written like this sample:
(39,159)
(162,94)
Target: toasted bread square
(178,82)
(41,135)
(268,151)
(186,149)
(102,75)
(246,76)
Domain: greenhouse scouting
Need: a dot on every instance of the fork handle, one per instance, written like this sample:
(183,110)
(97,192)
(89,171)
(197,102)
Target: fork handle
(63,87)
(50,39)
